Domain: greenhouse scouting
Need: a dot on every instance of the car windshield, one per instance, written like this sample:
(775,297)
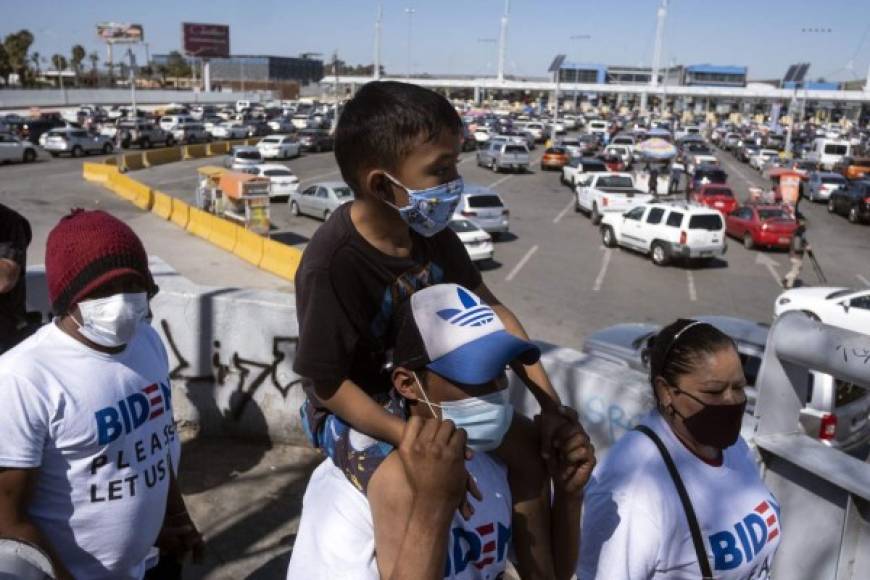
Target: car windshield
(705,222)
(342,192)
(555,151)
(515,149)
(615,181)
(720,191)
(484,201)
(773,214)
(835,149)
(248,155)
(834,179)
(271,140)
(462,226)
(595,168)
(278,173)
(838,293)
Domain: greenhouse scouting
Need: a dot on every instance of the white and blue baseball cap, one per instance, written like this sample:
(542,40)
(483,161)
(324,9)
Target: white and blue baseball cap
(449,330)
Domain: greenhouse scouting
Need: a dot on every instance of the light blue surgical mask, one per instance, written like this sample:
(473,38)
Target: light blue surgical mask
(485,419)
(429,210)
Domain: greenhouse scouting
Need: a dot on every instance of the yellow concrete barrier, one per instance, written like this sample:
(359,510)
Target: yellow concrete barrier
(122,186)
(132,162)
(249,246)
(98,172)
(200,223)
(252,141)
(224,234)
(162,205)
(235,142)
(219,148)
(180,213)
(195,151)
(154,157)
(111,161)
(142,197)
(280,259)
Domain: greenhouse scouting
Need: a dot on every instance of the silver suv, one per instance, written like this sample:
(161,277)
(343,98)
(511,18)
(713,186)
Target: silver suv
(244,158)
(500,154)
(76,142)
(142,134)
(835,412)
(190,133)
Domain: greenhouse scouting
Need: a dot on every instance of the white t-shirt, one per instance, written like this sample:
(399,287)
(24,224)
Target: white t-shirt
(336,539)
(634,525)
(99,429)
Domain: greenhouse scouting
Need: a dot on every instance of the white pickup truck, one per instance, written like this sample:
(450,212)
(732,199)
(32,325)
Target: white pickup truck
(601,193)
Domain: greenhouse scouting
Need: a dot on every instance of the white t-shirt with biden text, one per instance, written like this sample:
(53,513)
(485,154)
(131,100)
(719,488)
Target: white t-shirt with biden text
(634,525)
(336,537)
(98,429)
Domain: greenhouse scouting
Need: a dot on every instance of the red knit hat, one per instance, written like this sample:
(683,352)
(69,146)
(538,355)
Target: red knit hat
(89,249)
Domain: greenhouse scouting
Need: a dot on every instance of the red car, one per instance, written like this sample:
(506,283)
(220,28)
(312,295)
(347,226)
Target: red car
(613,162)
(771,226)
(717,196)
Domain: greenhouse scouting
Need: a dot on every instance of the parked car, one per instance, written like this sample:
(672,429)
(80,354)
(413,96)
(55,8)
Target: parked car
(835,412)
(667,232)
(278,147)
(477,242)
(315,140)
(485,209)
(469,143)
(500,155)
(76,142)
(706,174)
(730,141)
(554,159)
(598,194)
(820,185)
(852,201)
(538,130)
(718,197)
(281,125)
(761,225)
(191,133)
(321,199)
(14,149)
(589,144)
(142,134)
(282,181)
(170,122)
(577,167)
(746,151)
(621,151)
(229,130)
(243,158)
(256,128)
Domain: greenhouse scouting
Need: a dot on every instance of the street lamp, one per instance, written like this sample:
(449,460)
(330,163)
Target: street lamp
(410,12)
(576,37)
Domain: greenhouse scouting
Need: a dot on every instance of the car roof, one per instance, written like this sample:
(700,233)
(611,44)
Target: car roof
(265,166)
(331,184)
(245,148)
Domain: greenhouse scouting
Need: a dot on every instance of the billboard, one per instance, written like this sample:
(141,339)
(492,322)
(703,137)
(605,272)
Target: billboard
(114,32)
(205,40)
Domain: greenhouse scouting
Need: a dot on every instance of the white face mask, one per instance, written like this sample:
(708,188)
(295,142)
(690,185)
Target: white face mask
(112,321)
(485,419)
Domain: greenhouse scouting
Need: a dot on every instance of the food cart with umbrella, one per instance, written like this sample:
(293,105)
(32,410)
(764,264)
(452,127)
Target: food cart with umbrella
(656,154)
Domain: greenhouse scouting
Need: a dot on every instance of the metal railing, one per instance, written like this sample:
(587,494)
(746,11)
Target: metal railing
(824,494)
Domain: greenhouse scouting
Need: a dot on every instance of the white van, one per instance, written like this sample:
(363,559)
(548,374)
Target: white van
(241,105)
(828,152)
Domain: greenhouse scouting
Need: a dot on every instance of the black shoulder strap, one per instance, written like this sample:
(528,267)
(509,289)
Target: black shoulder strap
(695,529)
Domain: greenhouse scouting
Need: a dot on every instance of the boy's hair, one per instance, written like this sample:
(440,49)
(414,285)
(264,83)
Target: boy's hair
(383,121)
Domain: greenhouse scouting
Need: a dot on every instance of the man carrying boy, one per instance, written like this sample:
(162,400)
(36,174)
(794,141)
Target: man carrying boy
(450,377)
(397,146)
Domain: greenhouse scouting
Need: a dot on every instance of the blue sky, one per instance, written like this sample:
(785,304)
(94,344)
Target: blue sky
(455,36)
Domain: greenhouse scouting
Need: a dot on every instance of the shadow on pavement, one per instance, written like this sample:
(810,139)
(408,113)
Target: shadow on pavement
(289,238)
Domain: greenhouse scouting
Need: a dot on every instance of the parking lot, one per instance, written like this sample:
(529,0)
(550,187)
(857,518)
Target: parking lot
(554,272)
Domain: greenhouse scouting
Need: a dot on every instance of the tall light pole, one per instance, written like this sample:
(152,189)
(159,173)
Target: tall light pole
(661,14)
(377,71)
(410,12)
(502,40)
(576,73)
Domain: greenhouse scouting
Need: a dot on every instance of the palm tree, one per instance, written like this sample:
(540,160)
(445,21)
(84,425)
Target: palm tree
(59,63)
(77,56)
(94,58)
(34,58)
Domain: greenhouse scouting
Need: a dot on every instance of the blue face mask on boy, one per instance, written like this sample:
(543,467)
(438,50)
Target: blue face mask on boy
(429,210)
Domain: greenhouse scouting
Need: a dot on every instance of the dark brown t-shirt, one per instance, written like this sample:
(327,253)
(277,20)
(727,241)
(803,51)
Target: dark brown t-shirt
(14,238)
(346,293)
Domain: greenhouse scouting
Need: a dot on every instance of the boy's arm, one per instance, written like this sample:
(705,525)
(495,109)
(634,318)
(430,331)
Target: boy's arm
(359,410)
(534,375)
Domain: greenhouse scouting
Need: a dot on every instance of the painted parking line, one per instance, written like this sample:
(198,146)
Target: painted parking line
(562,213)
(864,280)
(499,181)
(771,266)
(321,176)
(521,263)
(693,294)
(605,262)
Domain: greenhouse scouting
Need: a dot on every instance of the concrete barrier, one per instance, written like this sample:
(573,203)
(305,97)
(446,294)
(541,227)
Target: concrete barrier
(142,196)
(162,205)
(249,246)
(154,157)
(122,185)
(111,161)
(132,162)
(252,140)
(219,148)
(98,172)
(280,259)
(200,223)
(224,234)
(180,215)
(195,151)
